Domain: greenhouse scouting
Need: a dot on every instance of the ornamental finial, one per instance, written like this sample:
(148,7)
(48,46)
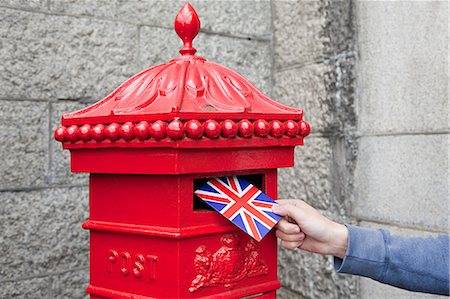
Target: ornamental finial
(187,26)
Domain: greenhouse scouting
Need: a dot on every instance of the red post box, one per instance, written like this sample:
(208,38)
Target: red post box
(147,146)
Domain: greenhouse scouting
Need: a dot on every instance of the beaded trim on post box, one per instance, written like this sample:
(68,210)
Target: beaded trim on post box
(177,130)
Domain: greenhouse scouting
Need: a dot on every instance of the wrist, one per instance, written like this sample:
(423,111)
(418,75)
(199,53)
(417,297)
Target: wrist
(339,241)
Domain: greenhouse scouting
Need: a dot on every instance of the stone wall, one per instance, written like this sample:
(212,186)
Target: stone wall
(401,178)
(371,77)
(314,56)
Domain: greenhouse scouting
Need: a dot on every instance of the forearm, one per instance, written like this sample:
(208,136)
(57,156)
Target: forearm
(417,264)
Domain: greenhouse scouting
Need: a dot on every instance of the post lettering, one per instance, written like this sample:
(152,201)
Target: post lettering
(113,256)
(151,259)
(126,257)
(140,265)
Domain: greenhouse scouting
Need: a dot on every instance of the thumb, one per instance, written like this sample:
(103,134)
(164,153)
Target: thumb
(280,210)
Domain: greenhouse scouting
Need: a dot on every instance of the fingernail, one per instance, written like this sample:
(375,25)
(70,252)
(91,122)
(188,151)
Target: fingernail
(275,208)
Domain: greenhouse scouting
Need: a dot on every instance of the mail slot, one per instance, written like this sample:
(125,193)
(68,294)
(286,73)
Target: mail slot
(147,146)
(256,179)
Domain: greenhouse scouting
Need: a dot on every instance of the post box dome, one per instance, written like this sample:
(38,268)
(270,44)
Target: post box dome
(186,102)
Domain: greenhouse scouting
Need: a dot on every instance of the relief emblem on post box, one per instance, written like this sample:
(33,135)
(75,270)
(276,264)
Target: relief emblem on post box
(231,263)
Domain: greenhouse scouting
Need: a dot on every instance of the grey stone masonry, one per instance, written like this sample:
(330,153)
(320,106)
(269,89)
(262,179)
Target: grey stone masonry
(41,232)
(62,57)
(311,176)
(403,70)
(250,58)
(59,170)
(412,191)
(27,4)
(297,33)
(245,19)
(401,178)
(371,76)
(307,88)
(313,69)
(68,284)
(24,143)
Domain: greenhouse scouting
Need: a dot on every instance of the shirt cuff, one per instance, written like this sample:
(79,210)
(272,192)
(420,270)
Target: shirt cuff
(366,253)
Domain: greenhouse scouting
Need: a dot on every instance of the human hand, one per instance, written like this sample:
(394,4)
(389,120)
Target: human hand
(304,227)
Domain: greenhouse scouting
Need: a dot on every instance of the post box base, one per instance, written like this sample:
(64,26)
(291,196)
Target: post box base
(223,265)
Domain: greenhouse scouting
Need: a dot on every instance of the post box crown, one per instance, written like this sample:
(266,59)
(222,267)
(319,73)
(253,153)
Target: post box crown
(184,102)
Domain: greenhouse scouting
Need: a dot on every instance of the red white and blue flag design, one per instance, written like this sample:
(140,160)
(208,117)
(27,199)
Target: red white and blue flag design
(241,203)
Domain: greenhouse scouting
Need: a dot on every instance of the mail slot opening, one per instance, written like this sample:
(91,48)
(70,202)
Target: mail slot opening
(199,205)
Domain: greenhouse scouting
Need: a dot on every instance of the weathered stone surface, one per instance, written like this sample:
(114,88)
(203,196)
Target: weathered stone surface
(297,32)
(403,179)
(339,28)
(402,73)
(285,293)
(60,159)
(36,288)
(310,31)
(306,88)
(313,275)
(400,231)
(41,232)
(243,18)
(248,57)
(27,4)
(371,289)
(310,179)
(60,57)
(159,45)
(71,284)
(23,143)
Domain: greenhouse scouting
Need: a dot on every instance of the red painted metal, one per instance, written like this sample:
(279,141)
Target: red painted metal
(147,146)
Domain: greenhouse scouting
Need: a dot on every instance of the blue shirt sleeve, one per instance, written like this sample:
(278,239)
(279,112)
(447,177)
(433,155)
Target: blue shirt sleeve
(415,264)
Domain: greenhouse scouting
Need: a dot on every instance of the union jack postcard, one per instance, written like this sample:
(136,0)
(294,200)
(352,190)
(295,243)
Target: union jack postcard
(241,203)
